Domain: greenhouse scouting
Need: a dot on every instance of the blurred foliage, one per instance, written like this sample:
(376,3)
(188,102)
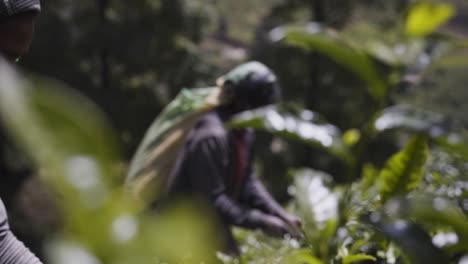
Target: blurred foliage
(72,145)
(366,225)
(403,172)
(382,180)
(424,18)
(329,44)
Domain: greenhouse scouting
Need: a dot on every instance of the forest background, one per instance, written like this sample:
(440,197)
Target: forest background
(355,64)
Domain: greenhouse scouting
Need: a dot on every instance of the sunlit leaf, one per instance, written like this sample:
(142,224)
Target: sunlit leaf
(425,17)
(315,38)
(443,131)
(317,205)
(410,238)
(351,137)
(404,170)
(412,119)
(300,128)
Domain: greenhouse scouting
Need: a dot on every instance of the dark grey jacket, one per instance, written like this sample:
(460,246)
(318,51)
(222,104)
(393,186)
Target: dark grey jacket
(12,251)
(208,167)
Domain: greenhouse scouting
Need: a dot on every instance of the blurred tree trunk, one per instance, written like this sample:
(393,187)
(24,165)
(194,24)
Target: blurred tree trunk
(317,9)
(103,52)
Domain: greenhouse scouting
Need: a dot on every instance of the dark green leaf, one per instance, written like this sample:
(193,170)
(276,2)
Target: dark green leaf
(384,44)
(411,239)
(431,210)
(404,170)
(314,38)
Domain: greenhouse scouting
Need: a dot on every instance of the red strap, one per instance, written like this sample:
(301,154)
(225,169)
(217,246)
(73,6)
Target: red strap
(242,147)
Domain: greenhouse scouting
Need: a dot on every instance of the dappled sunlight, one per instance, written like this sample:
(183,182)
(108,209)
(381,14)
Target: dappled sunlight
(303,126)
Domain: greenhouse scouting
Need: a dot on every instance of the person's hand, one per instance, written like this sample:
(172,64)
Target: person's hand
(275,226)
(270,224)
(294,224)
(292,220)
(279,225)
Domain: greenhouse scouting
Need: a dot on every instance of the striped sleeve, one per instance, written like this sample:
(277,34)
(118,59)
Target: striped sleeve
(12,7)
(12,251)
(3,9)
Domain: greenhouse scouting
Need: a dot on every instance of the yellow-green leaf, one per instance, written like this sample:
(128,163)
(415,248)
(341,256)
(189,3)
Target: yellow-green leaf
(424,18)
(302,256)
(351,137)
(403,171)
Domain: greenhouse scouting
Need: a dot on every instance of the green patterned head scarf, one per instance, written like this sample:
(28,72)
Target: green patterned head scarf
(252,84)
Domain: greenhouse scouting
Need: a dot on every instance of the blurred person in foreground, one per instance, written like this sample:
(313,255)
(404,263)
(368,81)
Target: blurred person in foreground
(16,32)
(216,163)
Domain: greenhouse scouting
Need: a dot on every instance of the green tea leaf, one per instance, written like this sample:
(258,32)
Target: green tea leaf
(302,256)
(369,176)
(404,170)
(317,205)
(425,17)
(383,43)
(412,119)
(410,238)
(328,43)
(351,137)
(356,258)
(301,128)
(454,142)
